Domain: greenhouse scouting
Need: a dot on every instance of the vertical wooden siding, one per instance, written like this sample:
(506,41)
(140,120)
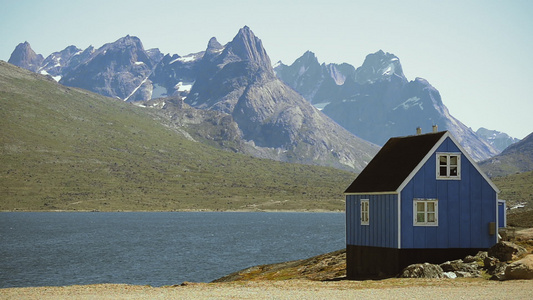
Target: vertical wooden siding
(465,207)
(382,230)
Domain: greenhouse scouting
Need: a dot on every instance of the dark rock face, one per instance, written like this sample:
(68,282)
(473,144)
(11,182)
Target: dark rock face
(174,75)
(23,56)
(239,80)
(118,70)
(377,102)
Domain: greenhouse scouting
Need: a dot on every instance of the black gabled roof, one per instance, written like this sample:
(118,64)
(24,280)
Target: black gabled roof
(394,163)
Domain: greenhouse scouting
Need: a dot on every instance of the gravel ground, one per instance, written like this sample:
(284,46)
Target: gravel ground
(291,289)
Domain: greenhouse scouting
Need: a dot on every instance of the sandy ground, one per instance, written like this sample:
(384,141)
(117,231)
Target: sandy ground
(291,289)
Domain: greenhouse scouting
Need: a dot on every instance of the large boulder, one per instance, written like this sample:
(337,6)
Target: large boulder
(520,269)
(425,270)
(506,251)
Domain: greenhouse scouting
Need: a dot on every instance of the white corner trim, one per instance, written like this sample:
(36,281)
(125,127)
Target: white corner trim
(400,221)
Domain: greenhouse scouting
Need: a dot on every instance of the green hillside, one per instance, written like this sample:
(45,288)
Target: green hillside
(69,149)
(517,189)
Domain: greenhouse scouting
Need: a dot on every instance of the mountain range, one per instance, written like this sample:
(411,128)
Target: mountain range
(516,158)
(236,80)
(269,110)
(376,101)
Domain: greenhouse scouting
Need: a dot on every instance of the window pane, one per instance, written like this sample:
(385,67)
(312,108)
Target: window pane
(453,160)
(453,171)
(431,207)
(443,171)
(420,207)
(431,217)
(420,217)
(443,160)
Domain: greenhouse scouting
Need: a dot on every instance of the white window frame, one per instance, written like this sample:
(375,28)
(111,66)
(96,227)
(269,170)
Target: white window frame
(429,213)
(365,212)
(449,166)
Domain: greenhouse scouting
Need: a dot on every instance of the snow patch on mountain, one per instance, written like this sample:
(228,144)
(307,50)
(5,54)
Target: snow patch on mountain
(411,102)
(320,106)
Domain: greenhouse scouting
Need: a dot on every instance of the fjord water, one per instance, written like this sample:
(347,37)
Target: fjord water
(155,248)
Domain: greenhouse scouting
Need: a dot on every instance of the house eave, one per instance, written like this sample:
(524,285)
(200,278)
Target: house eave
(372,193)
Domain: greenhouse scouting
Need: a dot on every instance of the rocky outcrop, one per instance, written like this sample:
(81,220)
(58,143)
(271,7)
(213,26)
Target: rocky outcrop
(329,266)
(520,269)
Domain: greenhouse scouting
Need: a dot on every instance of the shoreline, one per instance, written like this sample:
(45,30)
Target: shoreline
(406,288)
(184,210)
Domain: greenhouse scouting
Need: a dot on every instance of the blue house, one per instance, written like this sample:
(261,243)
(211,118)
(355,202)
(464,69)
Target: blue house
(422,198)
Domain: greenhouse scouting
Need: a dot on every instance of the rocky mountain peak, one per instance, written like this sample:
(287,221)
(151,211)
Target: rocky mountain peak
(379,66)
(56,62)
(309,57)
(119,70)
(247,47)
(214,45)
(23,56)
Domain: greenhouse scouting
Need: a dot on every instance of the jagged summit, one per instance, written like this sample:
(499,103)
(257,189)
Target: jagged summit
(23,56)
(246,46)
(379,66)
(214,45)
(58,62)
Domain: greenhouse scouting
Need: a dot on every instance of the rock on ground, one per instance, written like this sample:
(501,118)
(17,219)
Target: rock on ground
(520,269)
(506,251)
(425,270)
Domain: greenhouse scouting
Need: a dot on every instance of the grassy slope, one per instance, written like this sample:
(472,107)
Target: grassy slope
(515,189)
(68,149)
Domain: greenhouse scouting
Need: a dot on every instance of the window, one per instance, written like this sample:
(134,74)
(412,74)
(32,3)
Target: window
(426,212)
(365,211)
(448,166)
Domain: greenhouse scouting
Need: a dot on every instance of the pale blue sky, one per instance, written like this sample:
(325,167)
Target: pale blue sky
(476,53)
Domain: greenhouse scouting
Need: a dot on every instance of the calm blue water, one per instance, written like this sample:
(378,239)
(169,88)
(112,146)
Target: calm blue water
(155,248)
